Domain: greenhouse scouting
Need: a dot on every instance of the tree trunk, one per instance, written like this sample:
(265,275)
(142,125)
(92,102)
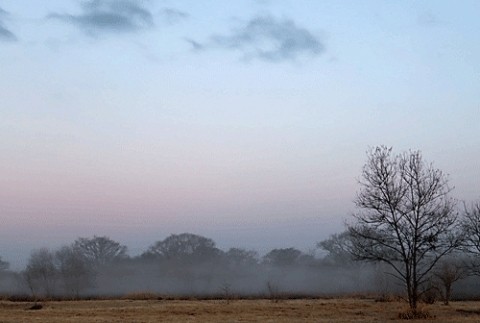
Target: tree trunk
(413,298)
(448,291)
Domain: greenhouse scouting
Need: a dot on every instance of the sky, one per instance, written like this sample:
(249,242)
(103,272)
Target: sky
(246,121)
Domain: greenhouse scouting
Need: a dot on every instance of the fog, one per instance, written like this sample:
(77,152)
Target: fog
(189,265)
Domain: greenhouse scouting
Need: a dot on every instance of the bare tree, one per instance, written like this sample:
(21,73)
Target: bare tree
(449,271)
(226,289)
(100,251)
(338,246)
(74,269)
(40,273)
(3,265)
(471,243)
(405,217)
(273,292)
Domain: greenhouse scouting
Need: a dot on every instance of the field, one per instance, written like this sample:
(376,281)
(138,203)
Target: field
(317,310)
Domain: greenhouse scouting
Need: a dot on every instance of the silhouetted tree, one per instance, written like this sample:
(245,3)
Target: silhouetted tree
(338,246)
(405,217)
(40,273)
(4,265)
(282,257)
(74,269)
(471,242)
(238,257)
(100,251)
(188,260)
(3,268)
(185,247)
(449,271)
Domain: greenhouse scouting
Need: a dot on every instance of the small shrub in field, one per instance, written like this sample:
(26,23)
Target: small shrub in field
(36,307)
(274,292)
(419,314)
(429,299)
(141,296)
(468,312)
(21,298)
(385,298)
(430,296)
(226,289)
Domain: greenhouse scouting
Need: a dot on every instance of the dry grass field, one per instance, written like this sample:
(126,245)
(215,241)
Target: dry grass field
(319,310)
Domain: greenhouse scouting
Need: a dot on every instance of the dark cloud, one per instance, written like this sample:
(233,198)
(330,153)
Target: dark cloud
(428,19)
(268,38)
(195,44)
(5,33)
(172,16)
(118,16)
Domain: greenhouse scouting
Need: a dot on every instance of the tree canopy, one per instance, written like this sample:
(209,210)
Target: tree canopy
(100,250)
(184,246)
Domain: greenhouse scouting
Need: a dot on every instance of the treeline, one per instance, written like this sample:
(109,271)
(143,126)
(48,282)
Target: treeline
(190,265)
(182,264)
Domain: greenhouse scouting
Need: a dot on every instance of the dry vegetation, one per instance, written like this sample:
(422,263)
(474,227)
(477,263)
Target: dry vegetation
(315,310)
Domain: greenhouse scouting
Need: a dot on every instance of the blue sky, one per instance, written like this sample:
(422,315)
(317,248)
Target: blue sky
(245,121)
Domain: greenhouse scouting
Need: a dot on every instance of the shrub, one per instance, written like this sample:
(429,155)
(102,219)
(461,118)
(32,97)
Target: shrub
(141,296)
(415,314)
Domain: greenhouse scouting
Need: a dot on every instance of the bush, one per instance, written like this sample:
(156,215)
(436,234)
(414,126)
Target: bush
(141,296)
(386,298)
(415,315)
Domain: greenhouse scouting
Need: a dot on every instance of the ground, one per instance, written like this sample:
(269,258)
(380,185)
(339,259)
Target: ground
(317,310)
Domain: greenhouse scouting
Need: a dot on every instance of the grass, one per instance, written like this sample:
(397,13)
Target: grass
(307,310)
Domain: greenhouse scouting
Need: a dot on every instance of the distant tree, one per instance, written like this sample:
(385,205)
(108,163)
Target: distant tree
(100,251)
(338,248)
(185,247)
(74,269)
(471,243)
(238,257)
(405,217)
(41,273)
(449,271)
(3,268)
(4,265)
(186,259)
(283,257)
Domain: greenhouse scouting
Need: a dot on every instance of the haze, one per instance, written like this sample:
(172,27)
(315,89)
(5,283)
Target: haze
(245,121)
